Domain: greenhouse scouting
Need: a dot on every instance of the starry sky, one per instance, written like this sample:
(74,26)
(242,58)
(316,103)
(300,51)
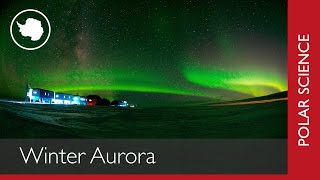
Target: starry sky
(144,50)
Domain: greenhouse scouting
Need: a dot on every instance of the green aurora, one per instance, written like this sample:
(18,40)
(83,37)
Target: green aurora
(211,49)
(255,83)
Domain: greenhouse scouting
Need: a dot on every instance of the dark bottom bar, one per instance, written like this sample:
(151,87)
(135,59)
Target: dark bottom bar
(147,156)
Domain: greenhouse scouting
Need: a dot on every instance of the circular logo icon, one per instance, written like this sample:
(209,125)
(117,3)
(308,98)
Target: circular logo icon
(30,29)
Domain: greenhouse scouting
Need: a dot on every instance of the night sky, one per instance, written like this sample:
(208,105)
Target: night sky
(145,50)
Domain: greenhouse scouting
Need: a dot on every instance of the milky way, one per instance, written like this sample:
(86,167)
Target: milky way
(205,48)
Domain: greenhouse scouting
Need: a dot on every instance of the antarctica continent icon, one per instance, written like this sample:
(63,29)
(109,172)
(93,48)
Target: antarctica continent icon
(32,28)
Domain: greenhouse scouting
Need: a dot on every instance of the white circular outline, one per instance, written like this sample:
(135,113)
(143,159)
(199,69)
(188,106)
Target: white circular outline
(26,48)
